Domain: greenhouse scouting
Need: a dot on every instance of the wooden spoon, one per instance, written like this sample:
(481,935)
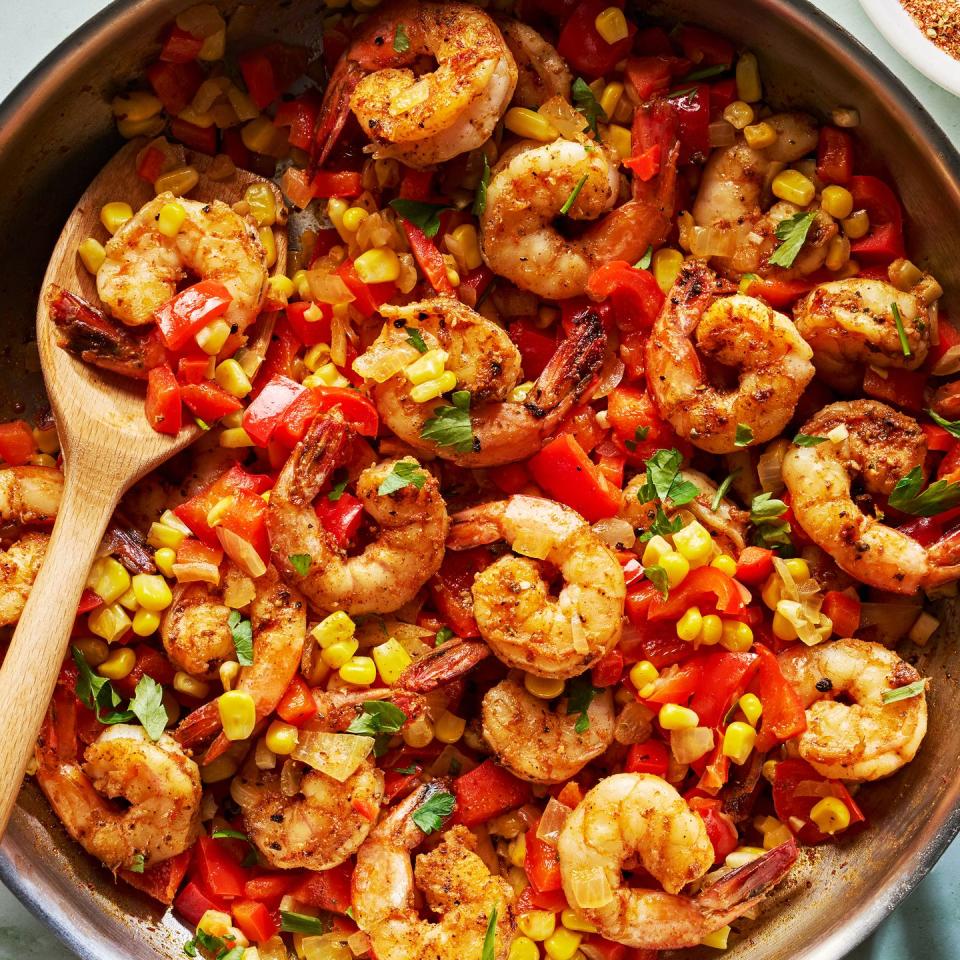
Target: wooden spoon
(107,446)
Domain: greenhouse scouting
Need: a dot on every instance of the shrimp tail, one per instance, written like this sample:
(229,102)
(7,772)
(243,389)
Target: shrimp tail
(448,662)
(732,895)
(199,725)
(316,456)
(334,111)
(476,526)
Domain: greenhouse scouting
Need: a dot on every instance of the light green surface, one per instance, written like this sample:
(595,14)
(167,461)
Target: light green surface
(927,925)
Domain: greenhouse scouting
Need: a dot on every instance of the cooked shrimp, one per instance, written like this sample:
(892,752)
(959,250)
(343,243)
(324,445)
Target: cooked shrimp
(424,118)
(852,323)
(19,565)
(525,626)
(29,494)
(143,267)
(455,882)
(864,738)
(542,72)
(638,814)
(881,446)
(732,332)
(539,743)
(158,784)
(487,364)
(530,184)
(195,631)
(405,553)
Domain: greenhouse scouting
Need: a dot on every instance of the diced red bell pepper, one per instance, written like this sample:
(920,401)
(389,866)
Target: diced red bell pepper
(254,920)
(201,139)
(650,757)
(17,445)
(638,428)
(720,827)
(783,715)
(754,565)
(218,868)
(209,401)
(175,83)
(193,901)
(233,146)
(653,41)
(645,166)
(327,890)
(611,467)
(487,791)
(336,183)
(778,293)
(582,46)
(884,242)
(270,887)
(835,155)
(162,406)
(724,678)
(150,663)
(342,518)
(192,369)
(180,46)
(541,862)
(297,419)
(309,332)
(233,482)
(635,294)
(950,464)
(706,587)
(608,670)
(680,685)
(190,310)
(638,601)
(268,409)
(565,472)
(428,258)
(511,478)
(300,115)
(356,409)
(649,75)
(536,347)
(297,704)
(938,439)
(247,518)
(705,48)
(722,94)
(693,117)
(162,880)
(369,296)
(474,285)
(791,801)
(450,588)
(192,550)
(150,162)
(844,611)
(901,388)
(531,899)
(948,337)
(88,601)
(268,70)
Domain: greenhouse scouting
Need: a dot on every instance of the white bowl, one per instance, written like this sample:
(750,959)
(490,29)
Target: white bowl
(903,34)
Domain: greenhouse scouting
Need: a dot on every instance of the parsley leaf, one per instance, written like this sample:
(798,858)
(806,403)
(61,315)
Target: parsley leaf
(227,834)
(772,535)
(743,436)
(242,636)
(421,214)
(147,706)
(766,508)
(429,816)
(443,635)
(951,426)
(97,693)
(770,531)
(406,771)
(451,426)
(644,263)
(587,103)
(340,481)
(415,339)
(403,474)
(235,954)
(137,865)
(705,73)
(489,938)
(580,694)
(662,526)
(303,923)
(639,435)
(664,480)
(216,947)
(939,496)
(901,333)
(401,42)
(300,562)
(480,197)
(808,440)
(379,716)
(574,193)
(904,693)
(658,577)
(722,489)
(792,234)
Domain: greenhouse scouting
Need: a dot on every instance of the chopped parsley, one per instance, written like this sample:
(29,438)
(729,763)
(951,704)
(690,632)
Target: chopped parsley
(901,333)
(644,264)
(764,507)
(227,834)
(340,481)
(572,199)
(450,426)
(303,923)
(665,481)
(792,234)
(722,489)
(415,339)
(403,474)
(421,214)
(808,440)
(97,693)
(769,530)
(639,435)
(489,938)
(904,693)
(378,717)
(443,635)
(939,496)
(429,816)
(147,706)
(480,197)
(662,526)
(218,948)
(137,864)
(406,771)
(242,633)
(401,42)
(587,103)
(951,426)
(658,577)
(300,562)
(743,436)
(580,694)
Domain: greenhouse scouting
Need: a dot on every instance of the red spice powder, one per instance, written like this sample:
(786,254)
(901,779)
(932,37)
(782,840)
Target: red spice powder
(940,22)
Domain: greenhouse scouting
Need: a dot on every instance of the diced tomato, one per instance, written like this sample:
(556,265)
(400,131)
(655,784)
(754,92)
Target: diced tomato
(844,611)
(724,679)
(194,901)
(356,409)
(783,715)
(778,293)
(541,862)
(327,890)
(649,757)
(218,868)
(300,115)
(581,45)
(693,118)
(705,587)
(634,293)
(884,242)
(297,705)
(175,83)
(680,685)
(341,518)
(902,388)
(792,797)
(428,258)
(268,70)
(369,296)
(195,551)
(835,155)
(163,408)
(336,183)
(180,46)
(754,565)
(450,588)
(209,401)
(254,920)
(17,444)
(487,791)
(270,887)
(532,899)
(150,663)
(649,75)
(201,139)
(190,310)
(565,472)
(705,48)
(162,880)
(233,482)
(266,412)
(536,347)
(608,670)
(720,827)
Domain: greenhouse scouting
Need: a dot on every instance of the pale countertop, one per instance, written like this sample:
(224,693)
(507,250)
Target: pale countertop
(927,925)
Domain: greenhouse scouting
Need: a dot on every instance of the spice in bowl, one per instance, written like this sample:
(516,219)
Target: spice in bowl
(940,22)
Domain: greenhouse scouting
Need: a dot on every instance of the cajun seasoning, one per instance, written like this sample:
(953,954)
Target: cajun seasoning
(940,22)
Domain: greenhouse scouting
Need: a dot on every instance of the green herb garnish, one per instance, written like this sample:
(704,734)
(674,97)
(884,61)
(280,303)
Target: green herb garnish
(138,863)
(644,262)
(401,42)
(450,426)
(792,234)
(489,938)
(403,474)
(951,426)
(147,706)
(242,633)
(429,816)
(480,197)
(303,923)
(443,635)
(743,436)
(723,488)
(580,694)
(901,333)
(939,496)
(378,717)
(808,440)
(572,199)
(658,577)
(300,562)
(421,214)
(665,481)
(97,693)
(587,104)
(904,693)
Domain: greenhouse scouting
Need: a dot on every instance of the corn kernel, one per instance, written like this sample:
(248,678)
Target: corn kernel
(219,510)
(190,686)
(738,114)
(179,181)
(643,674)
(749,88)
(146,623)
(523,948)
(739,740)
(449,727)
(799,569)
(333,629)
(418,733)
(674,717)
(360,671)
(711,632)
(91,254)
(760,135)
(136,106)
(170,219)
(165,558)
(519,393)
(537,924)
(282,738)
(128,129)
(316,356)
(94,650)
(263,204)
(152,591)
(326,376)
(42,460)
(229,672)
(211,338)
(238,713)
(517,850)
(620,138)
(782,628)
(466,237)
(611,24)
(129,601)
(610,97)
(772,588)
(114,215)
(725,564)
(717,938)
(391,660)
(339,653)
(269,241)
(432,389)
(280,288)
(736,637)
(426,368)
(302,284)
(656,548)
(353,217)
(666,265)
(261,136)
(573,921)
(837,201)
(562,944)
(793,186)
(742,856)
(546,688)
(694,543)
(830,814)
(231,377)
(676,567)
(857,225)
(108,579)
(690,624)
(838,253)
(529,125)
(775,835)
(380,265)
(47,440)
(751,706)
(118,665)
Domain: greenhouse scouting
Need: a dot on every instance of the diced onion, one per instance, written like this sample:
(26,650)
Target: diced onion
(633,724)
(451,758)
(338,755)
(328,287)
(892,621)
(197,572)
(568,122)
(590,888)
(800,604)
(238,591)
(291,773)
(770,466)
(580,642)
(242,553)
(264,757)
(385,359)
(722,134)
(359,943)
(923,629)
(846,117)
(713,242)
(949,363)
(615,532)
(338,339)
(552,822)
(611,373)
(692,744)
(245,794)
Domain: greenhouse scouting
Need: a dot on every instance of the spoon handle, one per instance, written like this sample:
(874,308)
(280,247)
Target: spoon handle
(32,663)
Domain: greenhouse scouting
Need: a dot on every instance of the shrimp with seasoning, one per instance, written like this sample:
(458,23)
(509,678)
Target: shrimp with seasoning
(880,445)
(524,625)
(407,550)
(638,814)
(427,118)
(773,360)
(456,884)
(487,365)
(542,72)
(539,743)
(864,738)
(852,323)
(143,266)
